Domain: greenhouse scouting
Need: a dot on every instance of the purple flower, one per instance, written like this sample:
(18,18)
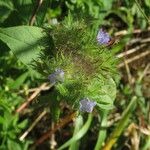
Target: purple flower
(103,37)
(87,105)
(57,76)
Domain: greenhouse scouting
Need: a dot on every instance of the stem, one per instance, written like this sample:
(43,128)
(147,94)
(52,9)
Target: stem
(102,131)
(78,125)
(31,98)
(121,125)
(22,137)
(57,126)
(33,17)
(78,135)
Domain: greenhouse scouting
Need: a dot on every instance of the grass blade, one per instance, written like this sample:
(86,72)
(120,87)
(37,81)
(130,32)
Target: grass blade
(121,125)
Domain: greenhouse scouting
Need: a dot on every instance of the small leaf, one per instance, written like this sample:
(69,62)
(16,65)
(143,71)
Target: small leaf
(13,145)
(23,124)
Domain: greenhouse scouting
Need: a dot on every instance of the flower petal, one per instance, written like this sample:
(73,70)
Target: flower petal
(58,75)
(87,105)
(103,37)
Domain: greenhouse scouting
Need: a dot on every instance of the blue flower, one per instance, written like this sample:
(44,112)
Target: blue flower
(57,76)
(103,37)
(87,105)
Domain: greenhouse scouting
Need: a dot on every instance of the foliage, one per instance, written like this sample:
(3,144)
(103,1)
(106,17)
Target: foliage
(64,37)
(10,126)
(25,42)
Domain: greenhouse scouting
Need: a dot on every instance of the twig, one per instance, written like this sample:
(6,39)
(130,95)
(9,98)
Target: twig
(134,137)
(113,120)
(57,126)
(33,90)
(128,71)
(25,104)
(144,72)
(138,40)
(146,40)
(53,142)
(33,17)
(125,32)
(130,51)
(32,126)
(135,58)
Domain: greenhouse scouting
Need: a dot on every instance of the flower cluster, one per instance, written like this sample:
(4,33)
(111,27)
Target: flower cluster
(57,76)
(87,105)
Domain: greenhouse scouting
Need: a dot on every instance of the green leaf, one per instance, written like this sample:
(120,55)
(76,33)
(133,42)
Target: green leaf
(13,145)
(62,89)
(15,120)
(78,135)
(4,106)
(147,144)
(8,120)
(103,91)
(121,124)
(107,4)
(105,106)
(23,124)
(19,81)
(25,41)
(104,99)
(108,87)
(6,7)
(12,134)
(2,120)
